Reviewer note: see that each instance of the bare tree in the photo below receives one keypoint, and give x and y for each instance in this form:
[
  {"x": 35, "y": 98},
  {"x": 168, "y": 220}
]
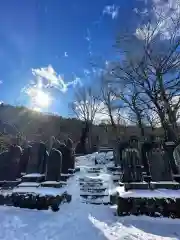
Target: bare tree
[
  {"x": 155, "y": 70},
  {"x": 86, "y": 105}
]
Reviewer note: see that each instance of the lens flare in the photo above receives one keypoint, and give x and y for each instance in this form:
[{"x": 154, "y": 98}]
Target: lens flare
[{"x": 42, "y": 99}]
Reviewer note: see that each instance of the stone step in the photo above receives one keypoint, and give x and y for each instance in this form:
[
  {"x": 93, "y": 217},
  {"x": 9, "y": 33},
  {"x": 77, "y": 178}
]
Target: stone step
[
  {"x": 53, "y": 184},
  {"x": 152, "y": 185},
  {"x": 93, "y": 195},
  {"x": 9, "y": 184},
  {"x": 93, "y": 189},
  {"x": 33, "y": 177}
]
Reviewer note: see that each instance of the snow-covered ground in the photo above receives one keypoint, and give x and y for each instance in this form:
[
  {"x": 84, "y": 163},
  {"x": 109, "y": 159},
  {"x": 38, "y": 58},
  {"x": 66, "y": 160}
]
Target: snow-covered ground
[{"x": 79, "y": 221}]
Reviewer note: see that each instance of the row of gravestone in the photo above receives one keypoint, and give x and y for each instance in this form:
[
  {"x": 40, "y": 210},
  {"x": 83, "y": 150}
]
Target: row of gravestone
[
  {"x": 153, "y": 159},
  {"x": 35, "y": 158}
]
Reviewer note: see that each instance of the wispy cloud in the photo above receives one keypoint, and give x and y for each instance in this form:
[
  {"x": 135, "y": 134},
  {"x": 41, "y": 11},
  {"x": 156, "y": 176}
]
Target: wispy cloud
[
  {"x": 111, "y": 10},
  {"x": 143, "y": 12},
  {"x": 48, "y": 78},
  {"x": 45, "y": 79},
  {"x": 164, "y": 16},
  {"x": 66, "y": 54}
]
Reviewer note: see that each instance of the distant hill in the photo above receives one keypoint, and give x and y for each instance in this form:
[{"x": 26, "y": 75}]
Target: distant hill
[{"x": 35, "y": 125}]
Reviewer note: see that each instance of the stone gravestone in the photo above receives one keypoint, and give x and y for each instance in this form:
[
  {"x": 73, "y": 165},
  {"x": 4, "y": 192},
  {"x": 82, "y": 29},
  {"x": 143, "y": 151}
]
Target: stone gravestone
[
  {"x": 38, "y": 159},
  {"x": 69, "y": 143},
  {"x": 122, "y": 146},
  {"x": 169, "y": 147},
  {"x": 9, "y": 163},
  {"x": 15, "y": 156},
  {"x": 81, "y": 147},
  {"x": 71, "y": 156},
  {"x": 176, "y": 156},
  {"x": 24, "y": 160},
  {"x": 65, "y": 157},
  {"x": 146, "y": 149},
  {"x": 131, "y": 162},
  {"x": 160, "y": 168},
  {"x": 42, "y": 159},
  {"x": 54, "y": 164}
]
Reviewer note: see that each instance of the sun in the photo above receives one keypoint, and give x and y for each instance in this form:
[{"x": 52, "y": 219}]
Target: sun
[
  {"x": 36, "y": 109},
  {"x": 42, "y": 99}
]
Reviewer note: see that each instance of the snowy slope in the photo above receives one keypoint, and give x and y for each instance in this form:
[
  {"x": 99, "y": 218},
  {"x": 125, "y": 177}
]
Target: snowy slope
[{"x": 78, "y": 221}]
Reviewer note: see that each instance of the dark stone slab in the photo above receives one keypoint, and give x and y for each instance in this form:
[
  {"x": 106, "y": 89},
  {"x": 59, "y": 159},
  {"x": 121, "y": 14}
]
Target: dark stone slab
[
  {"x": 34, "y": 177},
  {"x": 54, "y": 166},
  {"x": 166, "y": 185},
  {"x": 53, "y": 184},
  {"x": 136, "y": 186}
]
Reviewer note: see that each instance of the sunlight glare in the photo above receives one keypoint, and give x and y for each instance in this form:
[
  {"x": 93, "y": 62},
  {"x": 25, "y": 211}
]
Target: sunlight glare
[
  {"x": 42, "y": 99},
  {"x": 36, "y": 109}
]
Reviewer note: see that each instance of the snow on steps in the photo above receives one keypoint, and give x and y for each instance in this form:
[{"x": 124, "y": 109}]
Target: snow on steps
[{"x": 94, "y": 187}]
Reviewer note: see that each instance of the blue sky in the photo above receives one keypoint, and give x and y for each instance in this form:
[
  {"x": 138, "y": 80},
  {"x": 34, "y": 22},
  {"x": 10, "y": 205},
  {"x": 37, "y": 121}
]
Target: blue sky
[{"x": 63, "y": 34}]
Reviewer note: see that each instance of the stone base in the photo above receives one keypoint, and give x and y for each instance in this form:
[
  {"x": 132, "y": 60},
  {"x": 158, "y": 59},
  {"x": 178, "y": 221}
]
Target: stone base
[
  {"x": 176, "y": 178},
  {"x": 77, "y": 169},
  {"x": 152, "y": 185},
  {"x": 136, "y": 185},
  {"x": 28, "y": 184},
  {"x": 65, "y": 176},
  {"x": 154, "y": 207},
  {"x": 166, "y": 185},
  {"x": 114, "y": 169},
  {"x": 9, "y": 184},
  {"x": 71, "y": 170},
  {"x": 53, "y": 184},
  {"x": 34, "y": 177}
]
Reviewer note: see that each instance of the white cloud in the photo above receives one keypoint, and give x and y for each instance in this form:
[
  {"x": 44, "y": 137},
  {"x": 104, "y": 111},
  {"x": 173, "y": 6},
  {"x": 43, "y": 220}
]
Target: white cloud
[
  {"x": 44, "y": 79},
  {"x": 66, "y": 54},
  {"x": 164, "y": 12},
  {"x": 111, "y": 10},
  {"x": 47, "y": 77},
  {"x": 144, "y": 12},
  {"x": 87, "y": 72}
]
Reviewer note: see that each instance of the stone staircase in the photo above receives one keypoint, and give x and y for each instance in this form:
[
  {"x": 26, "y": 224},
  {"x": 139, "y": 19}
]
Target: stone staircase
[{"x": 94, "y": 188}]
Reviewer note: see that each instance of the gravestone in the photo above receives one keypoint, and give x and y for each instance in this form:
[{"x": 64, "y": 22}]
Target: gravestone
[
  {"x": 81, "y": 147},
  {"x": 65, "y": 157},
  {"x": 69, "y": 143},
  {"x": 146, "y": 149},
  {"x": 160, "y": 168},
  {"x": 176, "y": 157},
  {"x": 9, "y": 163},
  {"x": 71, "y": 156},
  {"x": 122, "y": 146},
  {"x": 38, "y": 159},
  {"x": 169, "y": 147},
  {"x": 54, "y": 165},
  {"x": 25, "y": 158},
  {"x": 15, "y": 156},
  {"x": 51, "y": 142},
  {"x": 131, "y": 162}
]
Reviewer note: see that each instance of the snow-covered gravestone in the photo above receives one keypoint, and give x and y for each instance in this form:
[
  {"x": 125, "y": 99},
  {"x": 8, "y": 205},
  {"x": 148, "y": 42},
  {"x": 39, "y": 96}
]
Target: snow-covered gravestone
[{"x": 53, "y": 172}]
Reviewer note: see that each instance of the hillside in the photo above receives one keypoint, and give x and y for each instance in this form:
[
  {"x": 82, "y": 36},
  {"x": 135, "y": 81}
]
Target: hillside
[{"x": 35, "y": 125}]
